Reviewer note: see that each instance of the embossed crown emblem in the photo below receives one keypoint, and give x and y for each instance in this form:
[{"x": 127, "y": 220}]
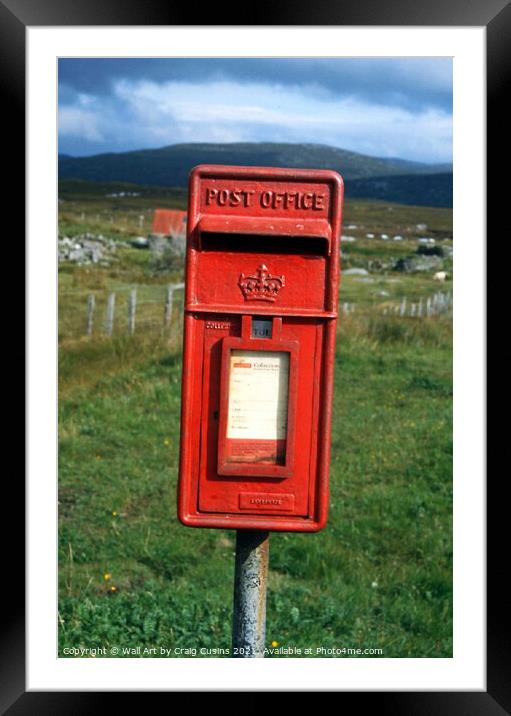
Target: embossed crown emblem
[{"x": 262, "y": 286}]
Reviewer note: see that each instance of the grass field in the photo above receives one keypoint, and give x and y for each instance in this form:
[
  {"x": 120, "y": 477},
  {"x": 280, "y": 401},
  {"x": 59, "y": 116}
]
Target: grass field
[{"x": 378, "y": 577}]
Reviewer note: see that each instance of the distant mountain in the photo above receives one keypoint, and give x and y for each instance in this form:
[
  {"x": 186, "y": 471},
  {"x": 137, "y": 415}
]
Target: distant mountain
[
  {"x": 414, "y": 189},
  {"x": 410, "y": 167},
  {"x": 170, "y": 166}
]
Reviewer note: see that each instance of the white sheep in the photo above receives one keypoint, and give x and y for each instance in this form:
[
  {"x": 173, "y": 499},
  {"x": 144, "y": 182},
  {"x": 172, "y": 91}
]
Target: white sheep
[{"x": 440, "y": 276}]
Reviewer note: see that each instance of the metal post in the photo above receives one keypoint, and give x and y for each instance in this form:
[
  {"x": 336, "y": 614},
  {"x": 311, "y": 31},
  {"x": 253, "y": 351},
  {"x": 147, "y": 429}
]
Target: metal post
[{"x": 250, "y": 580}]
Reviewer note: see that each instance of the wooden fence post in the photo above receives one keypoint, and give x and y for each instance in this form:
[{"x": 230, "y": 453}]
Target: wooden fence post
[
  {"x": 110, "y": 309},
  {"x": 168, "y": 305},
  {"x": 132, "y": 307},
  {"x": 91, "y": 302},
  {"x": 169, "y": 301}
]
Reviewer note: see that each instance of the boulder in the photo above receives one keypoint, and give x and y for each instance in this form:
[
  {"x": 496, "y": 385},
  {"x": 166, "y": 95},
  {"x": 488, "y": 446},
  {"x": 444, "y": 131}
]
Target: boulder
[
  {"x": 430, "y": 250},
  {"x": 158, "y": 243},
  {"x": 76, "y": 254},
  {"x": 85, "y": 249},
  {"x": 413, "y": 264},
  {"x": 355, "y": 272},
  {"x": 93, "y": 250},
  {"x": 139, "y": 242},
  {"x": 167, "y": 246}
]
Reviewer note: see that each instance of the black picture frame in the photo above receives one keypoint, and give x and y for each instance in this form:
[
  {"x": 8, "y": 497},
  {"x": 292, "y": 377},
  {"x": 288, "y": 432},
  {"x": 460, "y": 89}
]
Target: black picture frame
[{"x": 495, "y": 15}]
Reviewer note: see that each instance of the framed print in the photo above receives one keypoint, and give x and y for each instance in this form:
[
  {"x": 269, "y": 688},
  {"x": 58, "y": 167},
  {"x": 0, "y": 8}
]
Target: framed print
[{"x": 472, "y": 677}]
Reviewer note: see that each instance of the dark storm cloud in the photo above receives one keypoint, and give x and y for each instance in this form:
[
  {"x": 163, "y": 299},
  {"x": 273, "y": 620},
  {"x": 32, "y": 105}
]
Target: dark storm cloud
[
  {"x": 414, "y": 84},
  {"x": 377, "y": 106}
]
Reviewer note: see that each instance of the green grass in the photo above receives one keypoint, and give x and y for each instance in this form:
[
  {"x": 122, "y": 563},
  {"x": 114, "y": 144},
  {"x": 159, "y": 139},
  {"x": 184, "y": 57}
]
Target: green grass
[
  {"x": 86, "y": 207},
  {"x": 378, "y": 576},
  {"x": 381, "y": 217}
]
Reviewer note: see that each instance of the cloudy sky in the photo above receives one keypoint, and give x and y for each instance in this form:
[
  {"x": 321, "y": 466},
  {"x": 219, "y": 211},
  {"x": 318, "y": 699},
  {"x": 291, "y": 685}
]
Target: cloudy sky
[{"x": 381, "y": 107}]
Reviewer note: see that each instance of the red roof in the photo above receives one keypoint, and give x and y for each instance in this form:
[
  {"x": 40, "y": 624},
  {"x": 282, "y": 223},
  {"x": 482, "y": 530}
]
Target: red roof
[{"x": 170, "y": 222}]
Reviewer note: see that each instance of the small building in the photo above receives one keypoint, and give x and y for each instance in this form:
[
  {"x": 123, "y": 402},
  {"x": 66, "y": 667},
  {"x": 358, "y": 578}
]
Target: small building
[
  {"x": 169, "y": 222},
  {"x": 168, "y": 233}
]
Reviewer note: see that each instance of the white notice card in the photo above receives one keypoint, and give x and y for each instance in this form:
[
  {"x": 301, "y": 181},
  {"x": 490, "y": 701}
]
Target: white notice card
[{"x": 258, "y": 395}]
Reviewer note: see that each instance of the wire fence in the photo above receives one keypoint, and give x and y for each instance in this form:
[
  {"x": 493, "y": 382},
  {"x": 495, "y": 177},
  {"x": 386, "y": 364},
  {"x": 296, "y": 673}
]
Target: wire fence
[
  {"x": 148, "y": 308},
  {"x": 438, "y": 303},
  {"x": 120, "y": 311}
]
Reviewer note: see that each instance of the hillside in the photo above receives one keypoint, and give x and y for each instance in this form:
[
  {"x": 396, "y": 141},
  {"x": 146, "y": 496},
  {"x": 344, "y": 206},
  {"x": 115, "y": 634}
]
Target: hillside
[
  {"x": 413, "y": 182},
  {"x": 411, "y": 189}
]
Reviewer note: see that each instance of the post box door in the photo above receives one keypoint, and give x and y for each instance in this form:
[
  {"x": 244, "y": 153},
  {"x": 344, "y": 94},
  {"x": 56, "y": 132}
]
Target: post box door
[{"x": 248, "y": 477}]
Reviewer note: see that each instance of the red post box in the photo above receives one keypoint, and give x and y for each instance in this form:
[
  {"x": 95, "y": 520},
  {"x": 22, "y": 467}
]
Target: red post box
[{"x": 261, "y": 294}]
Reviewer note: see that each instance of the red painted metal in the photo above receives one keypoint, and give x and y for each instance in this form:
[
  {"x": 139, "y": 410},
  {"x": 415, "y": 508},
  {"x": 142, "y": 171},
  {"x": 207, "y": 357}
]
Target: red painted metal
[
  {"x": 227, "y": 465},
  {"x": 262, "y": 245},
  {"x": 169, "y": 222}
]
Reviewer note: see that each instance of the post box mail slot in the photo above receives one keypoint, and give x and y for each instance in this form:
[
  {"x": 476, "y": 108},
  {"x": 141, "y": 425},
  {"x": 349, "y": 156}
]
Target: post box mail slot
[{"x": 261, "y": 293}]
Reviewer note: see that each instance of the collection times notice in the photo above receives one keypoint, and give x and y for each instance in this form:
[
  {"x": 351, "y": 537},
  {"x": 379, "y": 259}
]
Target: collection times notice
[{"x": 258, "y": 400}]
